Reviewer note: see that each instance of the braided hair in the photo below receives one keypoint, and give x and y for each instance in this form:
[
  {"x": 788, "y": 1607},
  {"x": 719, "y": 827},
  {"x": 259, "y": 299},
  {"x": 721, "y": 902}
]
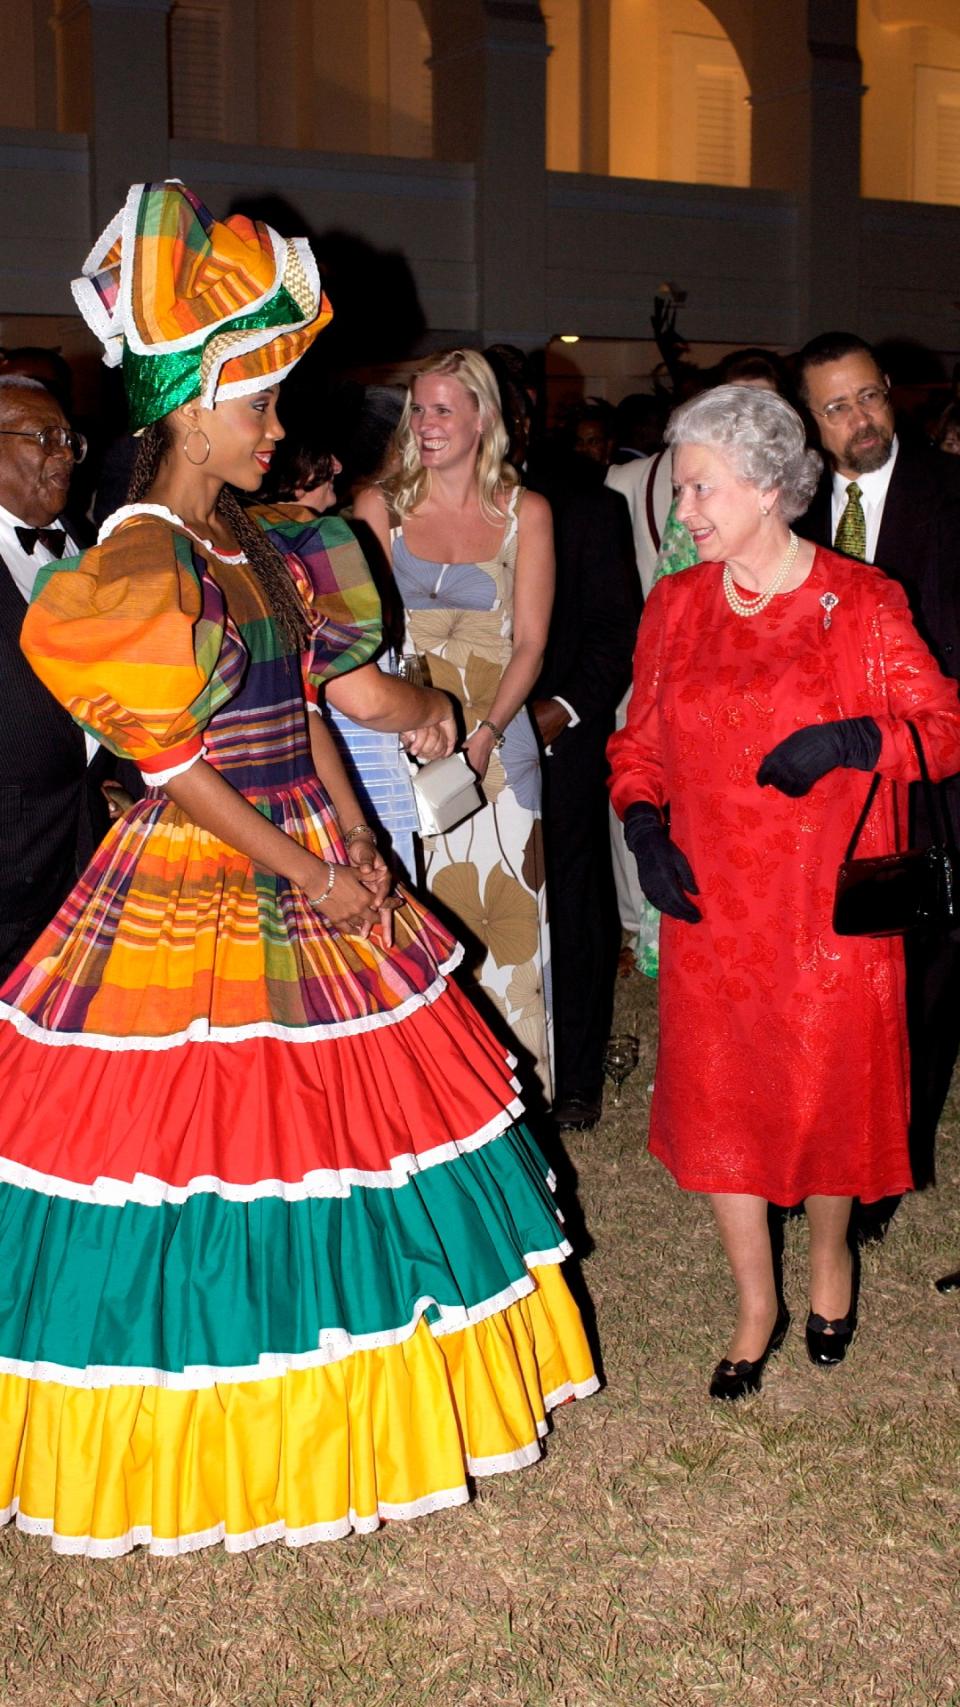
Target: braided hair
[{"x": 276, "y": 583}]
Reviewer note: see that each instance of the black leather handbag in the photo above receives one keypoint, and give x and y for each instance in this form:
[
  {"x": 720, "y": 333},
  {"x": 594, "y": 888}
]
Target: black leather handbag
[{"x": 915, "y": 890}]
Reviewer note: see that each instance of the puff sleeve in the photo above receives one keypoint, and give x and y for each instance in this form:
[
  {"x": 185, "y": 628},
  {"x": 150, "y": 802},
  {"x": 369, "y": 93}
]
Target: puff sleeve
[
  {"x": 337, "y": 588},
  {"x": 129, "y": 639}
]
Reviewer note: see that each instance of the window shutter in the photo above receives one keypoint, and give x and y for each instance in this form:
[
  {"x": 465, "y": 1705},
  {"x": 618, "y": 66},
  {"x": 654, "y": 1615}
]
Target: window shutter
[
  {"x": 709, "y": 116},
  {"x": 410, "y": 81},
  {"x": 196, "y": 70},
  {"x": 947, "y": 171},
  {"x": 716, "y": 125},
  {"x": 936, "y": 135}
]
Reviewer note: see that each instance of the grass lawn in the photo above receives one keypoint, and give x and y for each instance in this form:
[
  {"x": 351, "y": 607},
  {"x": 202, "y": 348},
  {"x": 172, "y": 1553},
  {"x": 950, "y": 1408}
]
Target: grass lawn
[{"x": 799, "y": 1548}]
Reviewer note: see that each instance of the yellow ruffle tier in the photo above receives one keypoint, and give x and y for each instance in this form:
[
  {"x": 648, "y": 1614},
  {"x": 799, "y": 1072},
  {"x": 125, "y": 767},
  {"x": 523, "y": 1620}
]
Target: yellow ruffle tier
[{"x": 384, "y": 1434}]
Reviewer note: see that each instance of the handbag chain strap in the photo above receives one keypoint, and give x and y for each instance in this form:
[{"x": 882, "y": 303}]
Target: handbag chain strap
[{"x": 939, "y": 820}]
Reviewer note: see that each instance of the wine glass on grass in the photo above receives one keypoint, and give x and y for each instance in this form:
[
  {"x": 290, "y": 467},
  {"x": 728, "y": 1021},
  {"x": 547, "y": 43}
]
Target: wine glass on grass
[{"x": 620, "y": 1058}]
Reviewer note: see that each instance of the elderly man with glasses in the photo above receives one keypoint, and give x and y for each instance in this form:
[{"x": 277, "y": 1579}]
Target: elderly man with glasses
[
  {"x": 896, "y": 503},
  {"x": 52, "y": 811}
]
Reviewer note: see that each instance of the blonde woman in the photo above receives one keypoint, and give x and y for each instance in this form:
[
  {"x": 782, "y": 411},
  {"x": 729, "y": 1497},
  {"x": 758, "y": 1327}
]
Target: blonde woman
[{"x": 472, "y": 555}]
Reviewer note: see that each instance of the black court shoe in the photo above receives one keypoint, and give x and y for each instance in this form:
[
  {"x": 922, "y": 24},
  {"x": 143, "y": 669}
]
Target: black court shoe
[
  {"x": 736, "y": 1380},
  {"x": 827, "y": 1341}
]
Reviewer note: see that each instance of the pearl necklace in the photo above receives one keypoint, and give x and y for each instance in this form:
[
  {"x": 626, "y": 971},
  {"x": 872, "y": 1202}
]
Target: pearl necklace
[{"x": 751, "y": 607}]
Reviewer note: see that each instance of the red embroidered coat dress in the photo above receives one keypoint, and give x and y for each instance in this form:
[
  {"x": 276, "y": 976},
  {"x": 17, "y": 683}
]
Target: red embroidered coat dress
[{"x": 782, "y": 1066}]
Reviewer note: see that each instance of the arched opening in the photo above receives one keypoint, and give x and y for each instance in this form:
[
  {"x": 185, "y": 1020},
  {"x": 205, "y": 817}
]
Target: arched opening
[
  {"x": 645, "y": 89},
  {"x": 910, "y": 51}
]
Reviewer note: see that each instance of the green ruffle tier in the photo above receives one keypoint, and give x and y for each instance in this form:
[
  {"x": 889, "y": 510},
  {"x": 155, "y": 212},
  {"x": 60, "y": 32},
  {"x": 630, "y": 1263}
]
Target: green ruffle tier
[{"x": 211, "y": 1284}]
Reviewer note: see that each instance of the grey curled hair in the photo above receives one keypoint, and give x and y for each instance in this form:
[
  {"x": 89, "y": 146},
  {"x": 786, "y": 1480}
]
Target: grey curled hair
[{"x": 761, "y": 436}]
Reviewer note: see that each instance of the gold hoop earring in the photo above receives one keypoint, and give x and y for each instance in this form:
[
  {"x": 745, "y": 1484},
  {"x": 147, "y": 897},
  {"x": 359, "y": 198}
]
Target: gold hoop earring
[{"x": 196, "y": 462}]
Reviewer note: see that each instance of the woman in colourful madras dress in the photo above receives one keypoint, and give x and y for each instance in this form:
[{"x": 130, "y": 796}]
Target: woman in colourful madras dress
[
  {"x": 472, "y": 559},
  {"x": 276, "y": 1260}
]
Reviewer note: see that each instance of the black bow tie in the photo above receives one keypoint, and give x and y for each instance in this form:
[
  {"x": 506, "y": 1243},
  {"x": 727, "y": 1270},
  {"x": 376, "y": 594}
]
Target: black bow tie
[{"x": 54, "y": 539}]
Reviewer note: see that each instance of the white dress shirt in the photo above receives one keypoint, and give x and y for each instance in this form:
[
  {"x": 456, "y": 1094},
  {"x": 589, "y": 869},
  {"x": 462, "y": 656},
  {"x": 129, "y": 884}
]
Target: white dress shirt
[
  {"x": 24, "y": 568},
  {"x": 873, "y": 490}
]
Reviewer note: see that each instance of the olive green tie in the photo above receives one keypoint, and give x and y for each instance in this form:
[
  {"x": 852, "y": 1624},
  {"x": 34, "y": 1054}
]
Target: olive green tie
[{"x": 852, "y": 528}]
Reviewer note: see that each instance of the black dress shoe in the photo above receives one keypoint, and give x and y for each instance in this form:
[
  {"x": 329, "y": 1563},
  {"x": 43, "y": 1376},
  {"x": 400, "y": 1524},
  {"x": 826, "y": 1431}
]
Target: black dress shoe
[
  {"x": 827, "y": 1341},
  {"x": 948, "y": 1282},
  {"x": 736, "y": 1380},
  {"x": 577, "y": 1113}
]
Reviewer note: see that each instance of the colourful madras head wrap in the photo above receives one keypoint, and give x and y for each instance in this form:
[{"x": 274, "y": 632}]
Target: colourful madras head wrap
[{"x": 194, "y": 306}]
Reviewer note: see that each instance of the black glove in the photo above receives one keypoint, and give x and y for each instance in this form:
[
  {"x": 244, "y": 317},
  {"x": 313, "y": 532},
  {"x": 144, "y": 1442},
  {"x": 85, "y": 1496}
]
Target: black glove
[
  {"x": 797, "y": 762},
  {"x": 662, "y": 869}
]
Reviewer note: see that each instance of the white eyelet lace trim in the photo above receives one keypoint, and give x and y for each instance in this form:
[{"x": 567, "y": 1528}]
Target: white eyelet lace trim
[
  {"x": 201, "y": 1031},
  {"x": 113, "y": 1547},
  {"x": 156, "y": 779},
  {"x": 127, "y": 511},
  {"x": 335, "y": 1345},
  {"x": 150, "y": 1192}
]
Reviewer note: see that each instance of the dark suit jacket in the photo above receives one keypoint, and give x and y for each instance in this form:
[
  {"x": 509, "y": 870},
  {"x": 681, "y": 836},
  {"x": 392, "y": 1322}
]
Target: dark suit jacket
[
  {"x": 919, "y": 546},
  {"x": 593, "y": 628},
  {"x": 52, "y": 813}
]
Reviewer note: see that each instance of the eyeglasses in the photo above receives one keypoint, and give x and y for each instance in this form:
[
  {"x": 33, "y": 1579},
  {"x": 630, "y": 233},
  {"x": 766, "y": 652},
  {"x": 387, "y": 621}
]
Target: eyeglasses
[
  {"x": 872, "y": 397},
  {"x": 51, "y": 439}
]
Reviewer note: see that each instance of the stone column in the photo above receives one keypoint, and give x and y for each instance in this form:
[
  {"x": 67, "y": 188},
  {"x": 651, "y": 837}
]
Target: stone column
[
  {"x": 490, "y": 95},
  {"x": 129, "y": 124},
  {"x": 806, "y": 98}
]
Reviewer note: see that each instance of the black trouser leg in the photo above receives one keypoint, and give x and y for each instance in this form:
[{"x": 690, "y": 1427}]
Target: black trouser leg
[
  {"x": 933, "y": 1023},
  {"x": 933, "y": 1014},
  {"x": 584, "y": 927}
]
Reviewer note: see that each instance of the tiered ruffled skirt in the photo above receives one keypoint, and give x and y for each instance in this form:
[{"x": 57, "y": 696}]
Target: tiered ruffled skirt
[{"x": 276, "y": 1258}]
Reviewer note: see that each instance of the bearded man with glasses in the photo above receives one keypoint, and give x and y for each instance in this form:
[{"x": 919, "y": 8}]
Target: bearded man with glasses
[
  {"x": 896, "y": 503},
  {"x": 52, "y": 810}
]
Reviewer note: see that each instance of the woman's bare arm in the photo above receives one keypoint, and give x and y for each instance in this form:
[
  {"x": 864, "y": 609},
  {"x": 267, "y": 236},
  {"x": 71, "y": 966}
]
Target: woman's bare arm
[
  {"x": 330, "y": 769},
  {"x": 437, "y": 736},
  {"x": 533, "y": 603},
  {"x": 378, "y": 701},
  {"x": 370, "y": 507}
]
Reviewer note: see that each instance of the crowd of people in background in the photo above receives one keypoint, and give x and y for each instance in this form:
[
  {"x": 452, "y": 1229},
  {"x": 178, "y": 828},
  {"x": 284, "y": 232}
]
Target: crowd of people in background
[
  {"x": 513, "y": 557},
  {"x": 606, "y": 477}
]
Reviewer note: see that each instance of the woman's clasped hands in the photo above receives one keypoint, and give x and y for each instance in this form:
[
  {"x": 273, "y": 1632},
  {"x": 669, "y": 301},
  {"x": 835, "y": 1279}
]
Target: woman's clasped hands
[{"x": 356, "y": 896}]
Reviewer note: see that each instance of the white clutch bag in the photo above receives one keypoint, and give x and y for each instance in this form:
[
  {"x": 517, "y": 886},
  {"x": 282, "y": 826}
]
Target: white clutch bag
[{"x": 446, "y": 792}]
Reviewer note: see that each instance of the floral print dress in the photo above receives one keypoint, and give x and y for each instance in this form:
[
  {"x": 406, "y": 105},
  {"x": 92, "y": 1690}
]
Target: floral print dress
[{"x": 488, "y": 872}]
